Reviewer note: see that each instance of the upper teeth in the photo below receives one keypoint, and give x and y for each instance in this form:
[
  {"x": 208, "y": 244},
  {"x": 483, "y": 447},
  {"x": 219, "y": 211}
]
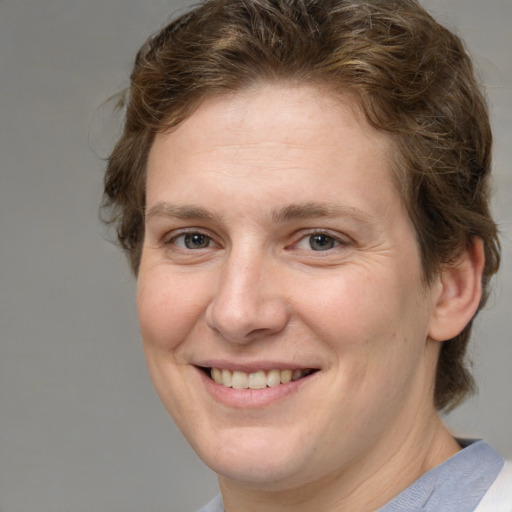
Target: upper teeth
[{"x": 256, "y": 380}]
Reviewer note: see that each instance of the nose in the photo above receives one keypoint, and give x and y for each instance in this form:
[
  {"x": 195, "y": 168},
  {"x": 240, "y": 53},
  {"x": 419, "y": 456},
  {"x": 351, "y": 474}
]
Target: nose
[{"x": 249, "y": 303}]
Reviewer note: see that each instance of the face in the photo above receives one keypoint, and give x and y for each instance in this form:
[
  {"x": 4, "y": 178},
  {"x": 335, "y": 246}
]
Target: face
[{"x": 280, "y": 294}]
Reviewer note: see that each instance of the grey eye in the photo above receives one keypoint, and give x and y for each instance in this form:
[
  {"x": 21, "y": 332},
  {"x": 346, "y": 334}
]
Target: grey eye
[
  {"x": 321, "y": 242},
  {"x": 194, "y": 241}
]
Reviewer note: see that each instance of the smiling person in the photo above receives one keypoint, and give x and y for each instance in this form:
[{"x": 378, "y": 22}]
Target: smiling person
[{"x": 302, "y": 190}]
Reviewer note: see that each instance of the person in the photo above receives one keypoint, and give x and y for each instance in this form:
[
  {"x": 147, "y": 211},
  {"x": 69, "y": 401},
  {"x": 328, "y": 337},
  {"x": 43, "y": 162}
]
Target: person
[{"x": 302, "y": 190}]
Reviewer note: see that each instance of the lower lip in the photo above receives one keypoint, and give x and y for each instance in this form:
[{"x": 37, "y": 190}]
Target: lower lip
[{"x": 252, "y": 398}]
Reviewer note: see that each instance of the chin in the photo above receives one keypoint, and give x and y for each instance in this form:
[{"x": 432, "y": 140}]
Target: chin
[{"x": 257, "y": 457}]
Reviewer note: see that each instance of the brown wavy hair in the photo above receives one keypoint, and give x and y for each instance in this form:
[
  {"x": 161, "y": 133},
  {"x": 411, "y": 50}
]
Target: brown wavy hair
[{"x": 411, "y": 77}]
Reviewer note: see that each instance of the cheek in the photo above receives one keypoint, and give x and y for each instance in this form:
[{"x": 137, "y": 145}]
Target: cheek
[
  {"x": 168, "y": 309},
  {"x": 352, "y": 305},
  {"x": 372, "y": 324}
]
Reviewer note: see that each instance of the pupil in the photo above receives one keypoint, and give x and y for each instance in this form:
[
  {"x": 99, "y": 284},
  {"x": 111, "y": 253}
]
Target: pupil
[
  {"x": 196, "y": 241},
  {"x": 321, "y": 242}
]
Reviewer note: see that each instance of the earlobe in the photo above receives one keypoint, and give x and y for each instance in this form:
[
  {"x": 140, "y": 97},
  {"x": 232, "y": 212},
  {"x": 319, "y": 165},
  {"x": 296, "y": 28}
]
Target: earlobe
[{"x": 459, "y": 293}]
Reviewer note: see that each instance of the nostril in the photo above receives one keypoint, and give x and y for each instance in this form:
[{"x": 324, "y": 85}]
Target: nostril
[{"x": 243, "y": 308}]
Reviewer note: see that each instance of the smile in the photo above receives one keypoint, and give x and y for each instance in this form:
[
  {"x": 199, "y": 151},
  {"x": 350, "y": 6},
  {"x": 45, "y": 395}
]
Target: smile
[{"x": 256, "y": 380}]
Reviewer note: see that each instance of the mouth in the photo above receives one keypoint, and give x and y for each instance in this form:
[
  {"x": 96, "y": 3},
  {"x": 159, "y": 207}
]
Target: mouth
[{"x": 260, "y": 379}]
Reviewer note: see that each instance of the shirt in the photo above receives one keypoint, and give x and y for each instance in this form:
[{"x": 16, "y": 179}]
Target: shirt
[{"x": 456, "y": 485}]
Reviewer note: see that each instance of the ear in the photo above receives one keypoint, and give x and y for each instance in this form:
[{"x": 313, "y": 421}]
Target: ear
[{"x": 459, "y": 293}]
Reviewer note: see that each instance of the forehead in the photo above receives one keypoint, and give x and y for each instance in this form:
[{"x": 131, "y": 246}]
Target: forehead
[
  {"x": 273, "y": 145},
  {"x": 273, "y": 121},
  {"x": 244, "y": 160}
]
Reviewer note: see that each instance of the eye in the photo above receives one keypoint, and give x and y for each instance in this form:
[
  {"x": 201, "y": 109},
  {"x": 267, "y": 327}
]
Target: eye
[
  {"x": 192, "y": 241},
  {"x": 318, "y": 242}
]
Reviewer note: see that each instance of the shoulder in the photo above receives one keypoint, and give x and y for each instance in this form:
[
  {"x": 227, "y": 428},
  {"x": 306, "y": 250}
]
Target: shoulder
[
  {"x": 499, "y": 496},
  {"x": 214, "y": 505}
]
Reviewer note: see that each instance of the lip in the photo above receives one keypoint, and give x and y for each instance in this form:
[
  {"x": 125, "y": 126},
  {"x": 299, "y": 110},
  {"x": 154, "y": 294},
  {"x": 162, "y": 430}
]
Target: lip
[
  {"x": 252, "y": 366},
  {"x": 252, "y": 398}
]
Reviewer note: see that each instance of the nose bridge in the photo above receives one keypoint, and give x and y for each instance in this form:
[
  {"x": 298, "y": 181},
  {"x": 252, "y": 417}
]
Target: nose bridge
[{"x": 246, "y": 305}]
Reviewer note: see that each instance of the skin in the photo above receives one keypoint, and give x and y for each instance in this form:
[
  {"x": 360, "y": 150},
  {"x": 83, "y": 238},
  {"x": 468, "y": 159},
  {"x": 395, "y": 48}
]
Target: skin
[{"x": 253, "y": 175}]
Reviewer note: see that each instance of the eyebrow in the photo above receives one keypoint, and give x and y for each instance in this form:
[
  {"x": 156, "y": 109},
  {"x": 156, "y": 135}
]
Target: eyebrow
[
  {"x": 183, "y": 212},
  {"x": 295, "y": 211},
  {"x": 315, "y": 210}
]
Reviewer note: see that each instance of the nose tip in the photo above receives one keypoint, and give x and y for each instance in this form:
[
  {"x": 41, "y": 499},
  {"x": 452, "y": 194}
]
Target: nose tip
[
  {"x": 245, "y": 308},
  {"x": 243, "y": 326}
]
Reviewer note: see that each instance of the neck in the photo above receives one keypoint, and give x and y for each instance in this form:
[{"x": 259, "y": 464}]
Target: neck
[{"x": 364, "y": 485}]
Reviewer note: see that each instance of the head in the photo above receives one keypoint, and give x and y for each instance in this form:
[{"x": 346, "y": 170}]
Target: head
[{"x": 383, "y": 54}]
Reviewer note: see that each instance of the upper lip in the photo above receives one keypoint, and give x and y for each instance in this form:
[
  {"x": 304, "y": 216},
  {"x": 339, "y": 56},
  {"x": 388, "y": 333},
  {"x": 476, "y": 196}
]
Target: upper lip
[{"x": 254, "y": 366}]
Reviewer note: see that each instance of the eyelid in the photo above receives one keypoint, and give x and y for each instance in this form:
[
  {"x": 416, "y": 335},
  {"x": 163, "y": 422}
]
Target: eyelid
[
  {"x": 170, "y": 237},
  {"x": 340, "y": 239}
]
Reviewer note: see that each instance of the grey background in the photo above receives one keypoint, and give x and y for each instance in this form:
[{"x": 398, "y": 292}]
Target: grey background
[{"x": 81, "y": 428}]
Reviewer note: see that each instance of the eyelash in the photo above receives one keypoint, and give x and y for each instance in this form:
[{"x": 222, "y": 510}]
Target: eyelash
[
  {"x": 329, "y": 239},
  {"x": 337, "y": 240},
  {"x": 189, "y": 232}
]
